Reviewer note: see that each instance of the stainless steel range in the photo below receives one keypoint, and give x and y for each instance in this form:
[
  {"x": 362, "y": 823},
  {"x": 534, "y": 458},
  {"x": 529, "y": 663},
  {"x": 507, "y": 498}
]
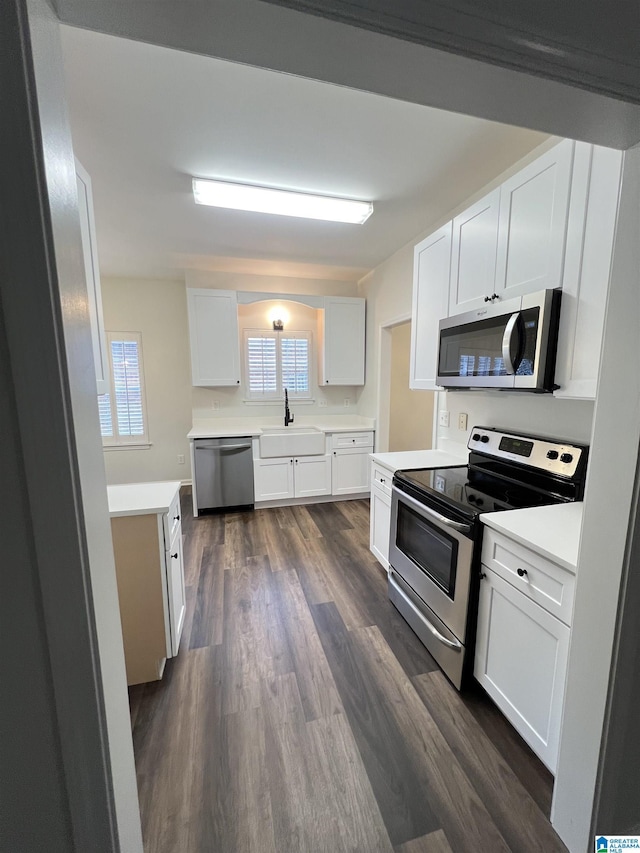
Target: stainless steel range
[{"x": 434, "y": 549}]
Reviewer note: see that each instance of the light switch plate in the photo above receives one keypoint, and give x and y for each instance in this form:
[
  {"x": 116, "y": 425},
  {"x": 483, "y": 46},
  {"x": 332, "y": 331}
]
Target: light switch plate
[{"x": 443, "y": 418}]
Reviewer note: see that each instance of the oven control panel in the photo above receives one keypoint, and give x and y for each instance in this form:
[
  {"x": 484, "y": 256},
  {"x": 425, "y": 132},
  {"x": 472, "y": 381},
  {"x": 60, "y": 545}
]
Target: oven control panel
[{"x": 546, "y": 454}]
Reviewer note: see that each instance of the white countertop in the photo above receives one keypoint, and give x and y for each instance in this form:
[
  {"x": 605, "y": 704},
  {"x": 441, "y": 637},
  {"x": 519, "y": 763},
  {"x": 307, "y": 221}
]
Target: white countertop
[
  {"x": 231, "y": 427},
  {"x": 141, "y": 498},
  {"x": 407, "y": 459},
  {"x": 552, "y": 531}
]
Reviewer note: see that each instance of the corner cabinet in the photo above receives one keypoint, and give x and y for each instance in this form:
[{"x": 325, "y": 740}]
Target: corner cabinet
[
  {"x": 213, "y": 336},
  {"x": 92, "y": 275},
  {"x": 431, "y": 267},
  {"x": 147, "y": 547},
  {"x": 342, "y": 352}
]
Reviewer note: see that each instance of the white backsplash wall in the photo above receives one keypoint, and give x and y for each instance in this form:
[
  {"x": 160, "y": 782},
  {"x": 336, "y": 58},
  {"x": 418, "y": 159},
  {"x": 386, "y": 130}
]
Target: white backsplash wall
[{"x": 535, "y": 414}]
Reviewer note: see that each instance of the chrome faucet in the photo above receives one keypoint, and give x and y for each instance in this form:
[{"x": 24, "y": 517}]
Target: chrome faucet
[{"x": 288, "y": 417}]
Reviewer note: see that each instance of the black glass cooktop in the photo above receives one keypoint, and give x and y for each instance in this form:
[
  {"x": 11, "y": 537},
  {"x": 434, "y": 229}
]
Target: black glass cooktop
[{"x": 468, "y": 492}]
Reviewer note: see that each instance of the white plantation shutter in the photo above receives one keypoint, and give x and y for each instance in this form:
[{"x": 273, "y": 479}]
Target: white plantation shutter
[
  {"x": 275, "y": 361},
  {"x": 262, "y": 366},
  {"x": 294, "y": 353},
  {"x": 122, "y": 411},
  {"x": 104, "y": 413}
]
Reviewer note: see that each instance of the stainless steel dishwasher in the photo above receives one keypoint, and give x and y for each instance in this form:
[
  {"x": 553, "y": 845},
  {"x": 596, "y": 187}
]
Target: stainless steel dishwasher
[{"x": 223, "y": 475}]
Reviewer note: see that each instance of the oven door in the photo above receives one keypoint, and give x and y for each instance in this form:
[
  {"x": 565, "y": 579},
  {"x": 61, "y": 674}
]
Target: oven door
[{"x": 434, "y": 556}]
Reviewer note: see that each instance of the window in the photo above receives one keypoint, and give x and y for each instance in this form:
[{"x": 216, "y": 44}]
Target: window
[
  {"x": 275, "y": 361},
  {"x": 123, "y": 419}
]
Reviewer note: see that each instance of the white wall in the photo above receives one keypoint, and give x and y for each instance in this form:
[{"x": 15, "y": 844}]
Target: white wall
[
  {"x": 158, "y": 310},
  {"x": 410, "y": 412},
  {"x": 534, "y": 414}
]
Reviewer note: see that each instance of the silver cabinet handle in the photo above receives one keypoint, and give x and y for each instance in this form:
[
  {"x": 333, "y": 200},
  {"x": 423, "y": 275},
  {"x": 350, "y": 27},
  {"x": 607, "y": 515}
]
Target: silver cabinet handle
[
  {"x": 440, "y": 637},
  {"x": 507, "y": 343},
  {"x": 403, "y": 497}
]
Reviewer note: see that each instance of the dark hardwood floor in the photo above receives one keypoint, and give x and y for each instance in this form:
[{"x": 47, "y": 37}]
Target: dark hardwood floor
[{"x": 302, "y": 714}]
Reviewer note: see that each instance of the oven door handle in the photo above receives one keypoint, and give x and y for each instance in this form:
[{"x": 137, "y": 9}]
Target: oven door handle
[
  {"x": 431, "y": 513},
  {"x": 440, "y": 637}
]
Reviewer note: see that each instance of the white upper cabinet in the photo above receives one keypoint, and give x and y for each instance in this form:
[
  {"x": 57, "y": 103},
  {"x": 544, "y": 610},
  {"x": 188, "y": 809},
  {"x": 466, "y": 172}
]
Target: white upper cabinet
[
  {"x": 92, "y": 273},
  {"x": 590, "y": 238},
  {"x": 342, "y": 353},
  {"x": 534, "y": 209},
  {"x": 213, "y": 335},
  {"x": 473, "y": 257},
  {"x": 431, "y": 267},
  {"x": 551, "y": 225}
]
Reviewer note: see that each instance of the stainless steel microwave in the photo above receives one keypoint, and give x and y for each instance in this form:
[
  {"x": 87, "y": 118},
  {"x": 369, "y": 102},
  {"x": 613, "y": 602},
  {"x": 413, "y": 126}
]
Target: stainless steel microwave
[{"x": 509, "y": 345}]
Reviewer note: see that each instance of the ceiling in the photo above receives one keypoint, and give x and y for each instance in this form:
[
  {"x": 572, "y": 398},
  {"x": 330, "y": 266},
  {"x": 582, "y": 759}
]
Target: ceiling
[
  {"x": 145, "y": 119},
  {"x": 590, "y": 45}
]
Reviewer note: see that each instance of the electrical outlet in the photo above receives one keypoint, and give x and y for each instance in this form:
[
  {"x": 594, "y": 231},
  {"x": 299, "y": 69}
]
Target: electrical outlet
[
  {"x": 347, "y": 402},
  {"x": 180, "y": 458},
  {"x": 322, "y": 404},
  {"x": 462, "y": 420},
  {"x": 443, "y": 418},
  {"x": 215, "y": 405}
]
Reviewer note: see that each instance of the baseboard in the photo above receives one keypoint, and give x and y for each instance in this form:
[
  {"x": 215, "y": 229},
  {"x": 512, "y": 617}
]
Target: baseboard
[{"x": 318, "y": 499}]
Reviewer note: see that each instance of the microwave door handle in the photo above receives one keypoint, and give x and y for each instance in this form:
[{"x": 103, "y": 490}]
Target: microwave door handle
[{"x": 509, "y": 343}]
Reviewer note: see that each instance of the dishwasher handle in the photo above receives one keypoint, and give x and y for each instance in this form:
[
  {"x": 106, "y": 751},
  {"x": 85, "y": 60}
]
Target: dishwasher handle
[{"x": 221, "y": 447}]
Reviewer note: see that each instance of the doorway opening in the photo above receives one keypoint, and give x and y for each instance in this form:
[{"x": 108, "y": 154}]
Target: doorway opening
[{"x": 405, "y": 417}]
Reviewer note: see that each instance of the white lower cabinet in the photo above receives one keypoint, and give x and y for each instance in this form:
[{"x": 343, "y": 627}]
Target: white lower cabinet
[
  {"x": 151, "y": 591},
  {"x": 312, "y": 476},
  {"x": 350, "y": 464},
  {"x": 174, "y": 561},
  {"x": 290, "y": 477},
  {"x": 380, "y": 513},
  {"x": 521, "y": 658},
  {"x": 350, "y": 471}
]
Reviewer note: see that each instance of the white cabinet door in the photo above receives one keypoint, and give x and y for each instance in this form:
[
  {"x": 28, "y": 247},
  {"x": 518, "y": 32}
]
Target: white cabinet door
[
  {"x": 473, "y": 257},
  {"x": 521, "y": 661},
  {"x": 213, "y": 336},
  {"x": 342, "y": 347},
  {"x": 92, "y": 274},
  {"x": 380, "y": 515},
  {"x": 350, "y": 471},
  {"x": 312, "y": 476},
  {"x": 273, "y": 479},
  {"x": 431, "y": 269},
  {"x": 534, "y": 209},
  {"x": 176, "y": 589},
  {"x": 592, "y": 225}
]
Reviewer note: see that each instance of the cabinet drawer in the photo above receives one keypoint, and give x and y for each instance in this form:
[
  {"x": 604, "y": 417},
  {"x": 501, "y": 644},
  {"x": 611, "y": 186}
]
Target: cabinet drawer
[
  {"x": 351, "y": 439},
  {"x": 381, "y": 479},
  {"x": 171, "y": 520},
  {"x": 544, "y": 582}
]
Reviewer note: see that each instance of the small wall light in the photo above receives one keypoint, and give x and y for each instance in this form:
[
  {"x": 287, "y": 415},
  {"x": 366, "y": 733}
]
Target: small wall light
[{"x": 278, "y": 325}]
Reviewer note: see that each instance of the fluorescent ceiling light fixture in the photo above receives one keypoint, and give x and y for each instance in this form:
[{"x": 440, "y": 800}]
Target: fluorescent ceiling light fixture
[{"x": 280, "y": 202}]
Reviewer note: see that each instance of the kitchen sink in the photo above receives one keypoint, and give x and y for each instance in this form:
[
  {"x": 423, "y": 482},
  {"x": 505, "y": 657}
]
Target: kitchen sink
[{"x": 291, "y": 441}]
